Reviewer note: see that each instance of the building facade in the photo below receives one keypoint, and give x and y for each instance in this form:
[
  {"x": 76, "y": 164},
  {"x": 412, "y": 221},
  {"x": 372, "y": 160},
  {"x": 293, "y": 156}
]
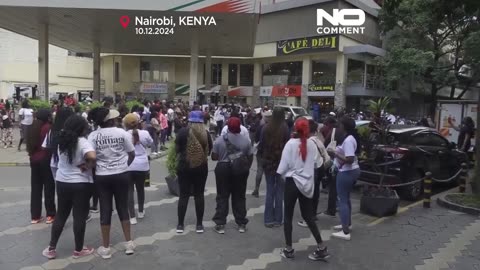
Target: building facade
[
  {"x": 68, "y": 73},
  {"x": 292, "y": 64}
]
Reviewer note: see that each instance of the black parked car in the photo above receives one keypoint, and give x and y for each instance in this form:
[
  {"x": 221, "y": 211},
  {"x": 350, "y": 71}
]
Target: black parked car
[{"x": 412, "y": 151}]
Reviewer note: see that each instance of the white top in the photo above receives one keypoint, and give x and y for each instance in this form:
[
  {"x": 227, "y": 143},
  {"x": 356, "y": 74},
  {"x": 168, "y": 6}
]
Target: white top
[
  {"x": 292, "y": 165},
  {"x": 347, "y": 149},
  {"x": 85, "y": 115},
  {"x": 170, "y": 114},
  {"x": 112, "y": 145},
  {"x": 53, "y": 164},
  {"x": 71, "y": 173},
  {"x": 243, "y": 131},
  {"x": 218, "y": 116},
  {"x": 140, "y": 163},
  {"x": 27, "y": 114}
]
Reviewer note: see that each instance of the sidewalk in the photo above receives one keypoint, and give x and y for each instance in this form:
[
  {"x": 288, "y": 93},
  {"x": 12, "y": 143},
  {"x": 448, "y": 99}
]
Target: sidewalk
[{"x": 416, "y": 239}]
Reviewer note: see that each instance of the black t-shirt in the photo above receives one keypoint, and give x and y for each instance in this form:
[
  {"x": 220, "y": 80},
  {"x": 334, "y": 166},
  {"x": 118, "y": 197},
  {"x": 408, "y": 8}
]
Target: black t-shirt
[{"x": 6, "y": 123}]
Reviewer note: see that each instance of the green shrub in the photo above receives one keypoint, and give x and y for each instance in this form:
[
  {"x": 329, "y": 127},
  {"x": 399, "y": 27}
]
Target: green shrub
[
  {"x": 172, "y": 160},
  {"x": 132, "y": 103},
  {"x": 37, "y": 104},
  {"x": 95, "y": 104}
]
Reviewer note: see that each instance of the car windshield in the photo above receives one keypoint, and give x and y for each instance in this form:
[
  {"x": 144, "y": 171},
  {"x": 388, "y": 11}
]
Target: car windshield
[{"x": 299, "y": 111}]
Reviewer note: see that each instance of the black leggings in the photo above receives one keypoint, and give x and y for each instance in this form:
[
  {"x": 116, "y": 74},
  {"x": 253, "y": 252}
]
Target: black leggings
[
  {"x": 74, "y": 196},
  {"x": 42, "y": 182},
  {"x": 192, "y": 180},
  {"x": 306, "y": 208},
  {"x": 137, "y": 181},
  {"x": 319, "y": 173},
  {"x": 108, "y": 187}
]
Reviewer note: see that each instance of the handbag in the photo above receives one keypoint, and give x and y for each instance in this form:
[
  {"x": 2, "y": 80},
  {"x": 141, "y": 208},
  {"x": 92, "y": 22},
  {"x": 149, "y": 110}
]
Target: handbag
[{"x": 333, "y": 144}]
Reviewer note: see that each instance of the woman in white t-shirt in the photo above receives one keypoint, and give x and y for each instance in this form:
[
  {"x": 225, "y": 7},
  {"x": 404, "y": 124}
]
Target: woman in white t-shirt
[
  {"x": 26, "y": 120},
  {"x": 115, "y": 152},
  {"x": 139, "y": 167},
  {"x": 76, "y": 158},
  {"x": 52, "y": 139},
  {"x": 346, "y": 163},
  {"x": 297, "y": 166}
]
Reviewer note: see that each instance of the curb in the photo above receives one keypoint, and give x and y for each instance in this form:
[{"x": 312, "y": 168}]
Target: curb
[
  {"x": 457, "y": 207},
  {"x": 13, "y": 164},
  {"x": 404, "y": 209}
]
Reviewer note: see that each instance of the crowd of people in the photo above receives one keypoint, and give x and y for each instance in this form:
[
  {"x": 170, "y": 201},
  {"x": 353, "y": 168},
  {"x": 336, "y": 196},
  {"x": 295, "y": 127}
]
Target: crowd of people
[{"x": 102, "y": 154}]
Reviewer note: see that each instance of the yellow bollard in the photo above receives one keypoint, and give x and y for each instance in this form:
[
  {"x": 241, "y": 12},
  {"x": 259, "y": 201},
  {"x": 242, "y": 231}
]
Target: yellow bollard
[{"x": 427, "y": 190}]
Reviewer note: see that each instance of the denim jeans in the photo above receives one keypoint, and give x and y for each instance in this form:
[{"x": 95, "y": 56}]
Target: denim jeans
[
  {"x": 274, "y": 200},
  {"x": 345, "y": 182},
  {"x": 259, "y": 175}
]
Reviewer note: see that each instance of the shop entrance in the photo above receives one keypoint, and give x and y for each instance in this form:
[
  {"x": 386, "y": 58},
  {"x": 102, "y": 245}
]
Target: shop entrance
[{"x": 325, "y": 104}]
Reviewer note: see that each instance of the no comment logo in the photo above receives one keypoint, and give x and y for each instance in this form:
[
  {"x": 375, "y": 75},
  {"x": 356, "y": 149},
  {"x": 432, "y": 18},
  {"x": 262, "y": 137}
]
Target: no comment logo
[{"x": 342, "y": 21}]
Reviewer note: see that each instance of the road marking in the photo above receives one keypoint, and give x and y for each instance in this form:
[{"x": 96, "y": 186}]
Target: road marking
[
  {"x": 265, "y": 259},
  {"x": 140, "y": 241},
  {"x": 42, "y": 226},
  {"x": 452, "y": 249},
  {"x": 153, "y": 187}
]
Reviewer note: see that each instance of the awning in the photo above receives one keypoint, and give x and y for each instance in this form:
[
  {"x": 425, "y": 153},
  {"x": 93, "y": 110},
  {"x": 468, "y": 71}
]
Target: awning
[
  {"x": 79, "y": 25},
  {"x": 368, "y": 49}
]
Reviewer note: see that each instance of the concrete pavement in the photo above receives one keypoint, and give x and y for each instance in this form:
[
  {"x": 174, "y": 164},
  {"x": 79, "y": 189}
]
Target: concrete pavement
[{"x": 416, "y": 239}]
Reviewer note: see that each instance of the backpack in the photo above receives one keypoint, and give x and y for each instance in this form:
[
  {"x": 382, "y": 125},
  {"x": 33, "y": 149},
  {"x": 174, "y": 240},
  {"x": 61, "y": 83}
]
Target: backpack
[{"x": 239, "y": 162}]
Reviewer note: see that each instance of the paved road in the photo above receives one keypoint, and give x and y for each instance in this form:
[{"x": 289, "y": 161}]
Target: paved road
[{"x": 416, "y": 239}]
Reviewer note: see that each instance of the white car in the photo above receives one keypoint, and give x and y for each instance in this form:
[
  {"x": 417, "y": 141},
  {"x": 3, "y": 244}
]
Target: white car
[{"x": 295, "y": 111}]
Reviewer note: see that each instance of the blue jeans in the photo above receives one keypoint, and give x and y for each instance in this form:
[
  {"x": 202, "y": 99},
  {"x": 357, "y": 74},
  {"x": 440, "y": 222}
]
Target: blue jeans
[
  {"x": 345, "y": 182},
  {"x": 274, "y": 199}
]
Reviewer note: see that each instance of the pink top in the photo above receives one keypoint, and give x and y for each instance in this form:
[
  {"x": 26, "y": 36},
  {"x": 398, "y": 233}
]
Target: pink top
[{"x": 163, "y": 121}]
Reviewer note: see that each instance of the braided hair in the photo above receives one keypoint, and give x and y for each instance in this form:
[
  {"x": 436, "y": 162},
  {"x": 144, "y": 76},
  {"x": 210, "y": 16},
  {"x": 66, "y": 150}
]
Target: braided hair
[
  {"x": 75, "y": 127},
  {"x": 52, "y": 143}
]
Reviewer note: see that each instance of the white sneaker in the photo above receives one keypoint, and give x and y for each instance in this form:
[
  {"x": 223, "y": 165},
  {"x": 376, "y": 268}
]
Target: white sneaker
[
  {"x": 302, "y": 223},
  {"x": 141, "y": 214},
  {"x": 341, "y": 235},
  {"x": 340, "y": 227},
  {"x": 104, "y": 252},
  {"x": 129, "y": 247},
  {"x": 133, "y": 221}
]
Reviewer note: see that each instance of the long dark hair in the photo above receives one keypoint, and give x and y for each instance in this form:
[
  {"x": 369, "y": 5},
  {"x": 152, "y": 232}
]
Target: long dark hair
[
  {"x": 33, "y": 132},
  {"x": 349, "y": 127},
  {"x": 97, "y": 116},
  {"x": 275, "y": 129},
  {"x": 74, "y": 128},
  {"x": 62, "y": 115}
]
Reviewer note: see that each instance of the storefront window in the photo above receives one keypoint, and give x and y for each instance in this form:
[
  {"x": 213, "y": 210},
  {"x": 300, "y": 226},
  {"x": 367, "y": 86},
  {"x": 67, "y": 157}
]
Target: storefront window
[
  {"x": 145, "y": 71},
  {"x": 356, "y": 72},
  {"x": 288, "y": 73},
  {"x": 217, "y": 74},
  {"x": 323, "y": 73},
  {"x": 232, "y": 74},
  {"x": 153, "y": 72},
  {"x": 246, "y": 75}
]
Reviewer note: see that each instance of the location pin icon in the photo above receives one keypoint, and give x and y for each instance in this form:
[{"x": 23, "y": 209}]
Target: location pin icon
[{"x": 124, "y": 21}]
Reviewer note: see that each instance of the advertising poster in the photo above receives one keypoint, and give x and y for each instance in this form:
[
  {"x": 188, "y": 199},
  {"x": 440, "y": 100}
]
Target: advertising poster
[{"x": 454, "y": 113}]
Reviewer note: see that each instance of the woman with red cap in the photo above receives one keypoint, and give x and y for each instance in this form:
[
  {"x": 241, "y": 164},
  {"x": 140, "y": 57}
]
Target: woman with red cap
[
  {"x": 234, "y": 154},
  {"x": 297, "y": 167}
]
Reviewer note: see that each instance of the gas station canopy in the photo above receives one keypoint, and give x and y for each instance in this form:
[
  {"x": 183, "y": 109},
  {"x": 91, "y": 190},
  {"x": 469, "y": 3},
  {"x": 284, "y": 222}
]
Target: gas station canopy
[{"x": 80, "y": 25}]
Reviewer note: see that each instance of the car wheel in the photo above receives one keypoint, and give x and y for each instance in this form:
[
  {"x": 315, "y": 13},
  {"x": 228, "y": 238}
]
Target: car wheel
[{"x": 412, "y": 192}]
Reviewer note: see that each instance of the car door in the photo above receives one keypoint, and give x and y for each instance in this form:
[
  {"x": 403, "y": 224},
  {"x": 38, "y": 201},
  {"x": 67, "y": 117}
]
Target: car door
[{"x": 436, "y": 153}]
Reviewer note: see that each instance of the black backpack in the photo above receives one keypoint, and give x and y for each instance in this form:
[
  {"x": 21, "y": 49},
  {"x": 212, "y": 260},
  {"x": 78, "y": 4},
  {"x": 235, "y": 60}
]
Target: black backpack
[{"x": 239, "y": 162}]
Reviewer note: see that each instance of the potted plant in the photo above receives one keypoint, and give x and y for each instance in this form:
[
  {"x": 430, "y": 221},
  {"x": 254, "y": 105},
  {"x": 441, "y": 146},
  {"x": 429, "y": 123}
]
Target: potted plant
[
  {"x": 171, "y": 179},
  {"x": 378, "y": 200}
]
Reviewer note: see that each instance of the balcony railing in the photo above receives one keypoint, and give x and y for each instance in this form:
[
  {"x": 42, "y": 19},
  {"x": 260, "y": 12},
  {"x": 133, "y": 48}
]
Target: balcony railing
[{"x": 370, "y": 81}]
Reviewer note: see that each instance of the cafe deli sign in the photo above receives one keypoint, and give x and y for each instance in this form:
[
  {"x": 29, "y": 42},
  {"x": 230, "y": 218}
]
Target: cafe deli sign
[{"x": 307, "y": 45}]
